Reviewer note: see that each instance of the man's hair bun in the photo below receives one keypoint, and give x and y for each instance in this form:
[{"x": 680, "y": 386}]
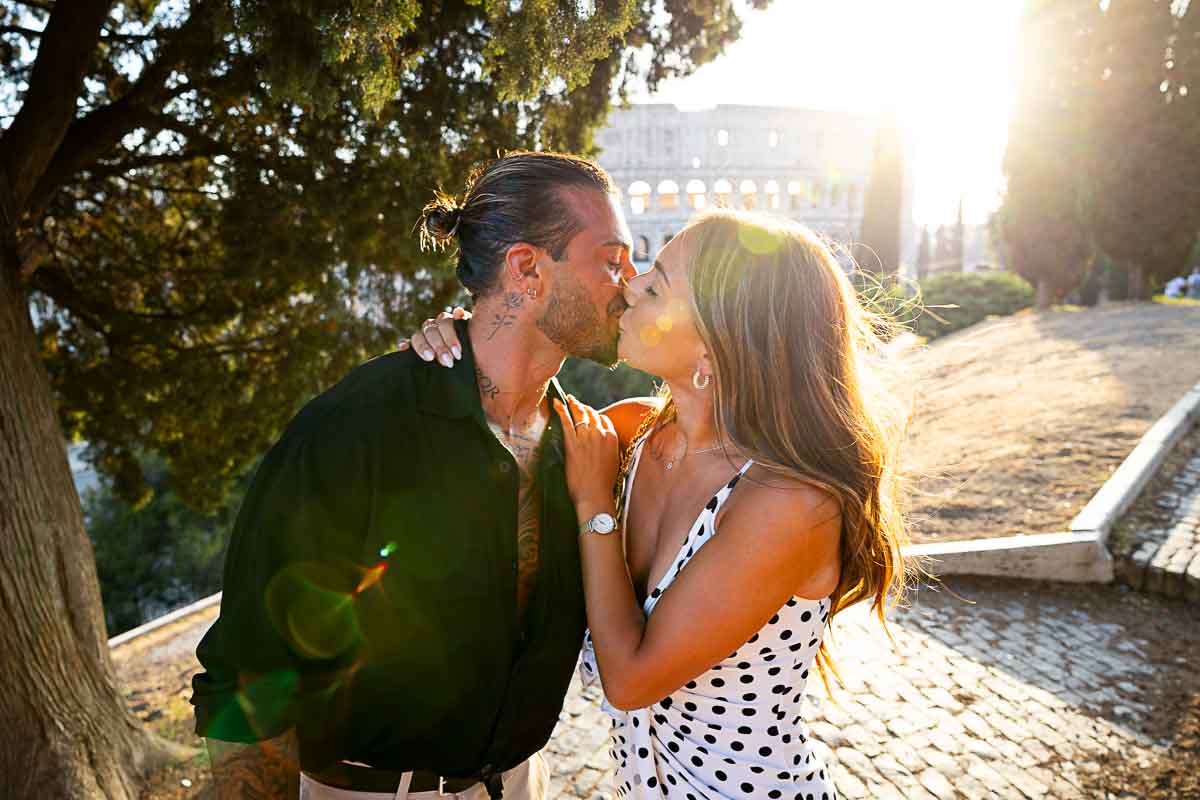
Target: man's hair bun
[{"x": 439, "y": 221}]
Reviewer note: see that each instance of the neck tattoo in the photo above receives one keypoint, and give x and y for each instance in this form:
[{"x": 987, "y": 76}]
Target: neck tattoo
[
  {"x": 506, "y": 316},
  {"x": 487, "y": 386}
]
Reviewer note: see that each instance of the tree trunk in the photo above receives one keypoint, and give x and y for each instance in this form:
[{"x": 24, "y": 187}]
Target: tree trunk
[
  {"x": 66, "y": 730},
  {"x": 1044, "y": 294},
  {"x": 1137, "y": 283}
]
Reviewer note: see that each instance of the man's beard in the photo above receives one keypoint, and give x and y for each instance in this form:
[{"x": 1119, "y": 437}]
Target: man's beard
[{"x": 572, "y": 322}]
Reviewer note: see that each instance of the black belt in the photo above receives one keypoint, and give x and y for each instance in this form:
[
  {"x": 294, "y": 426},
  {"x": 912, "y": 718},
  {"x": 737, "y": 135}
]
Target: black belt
[{"x": 359, "y": 778}]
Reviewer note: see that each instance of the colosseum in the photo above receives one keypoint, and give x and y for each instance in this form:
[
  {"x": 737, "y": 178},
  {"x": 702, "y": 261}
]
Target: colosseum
[{"x": 804, "y": 164}]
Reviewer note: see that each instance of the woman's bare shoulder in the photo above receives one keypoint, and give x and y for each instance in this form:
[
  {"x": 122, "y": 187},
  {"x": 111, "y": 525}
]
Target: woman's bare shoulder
[
  {"x": 787, "y": 497},
  {"x": 627, "y": 415}
]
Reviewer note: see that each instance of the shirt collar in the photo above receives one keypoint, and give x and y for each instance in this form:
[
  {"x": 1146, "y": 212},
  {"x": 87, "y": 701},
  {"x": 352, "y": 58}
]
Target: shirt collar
[{"x": 454, "y": 392}]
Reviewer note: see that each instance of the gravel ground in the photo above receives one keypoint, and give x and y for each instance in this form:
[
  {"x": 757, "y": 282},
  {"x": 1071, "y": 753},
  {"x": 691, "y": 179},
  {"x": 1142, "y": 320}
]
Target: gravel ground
[{"x": 1018, "y": 421}]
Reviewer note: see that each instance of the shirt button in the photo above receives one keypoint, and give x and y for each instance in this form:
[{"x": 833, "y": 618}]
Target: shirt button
[{"x": 505, "y": 467}]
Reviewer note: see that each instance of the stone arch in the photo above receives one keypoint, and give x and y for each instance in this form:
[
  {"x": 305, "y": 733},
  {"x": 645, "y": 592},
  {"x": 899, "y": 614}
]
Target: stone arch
[
  {"x": 668, "y": 195},
  {"x": 772, "y": 191},
  {"x": 639, "y": 197},
  {"x": 722, "y": 191},
  {"x": 748, "y": 189}
]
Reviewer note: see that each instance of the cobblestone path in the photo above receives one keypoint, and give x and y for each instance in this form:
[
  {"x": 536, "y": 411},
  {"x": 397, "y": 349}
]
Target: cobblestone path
[
  {"x": 996, "y": 689},
  {"x": 1011, "y": 699},
  {"x": 1166, "y": 559}
]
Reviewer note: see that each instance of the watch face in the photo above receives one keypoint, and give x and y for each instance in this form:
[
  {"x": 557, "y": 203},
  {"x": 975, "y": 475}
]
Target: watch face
[{"x": 603, "y": 523}]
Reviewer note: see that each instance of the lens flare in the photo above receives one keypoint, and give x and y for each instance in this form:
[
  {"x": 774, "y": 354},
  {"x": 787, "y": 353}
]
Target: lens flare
[
  {"x": 257, "y": 710},
  {"x": 312, "y": 607},
  {"x": 759, "y": 241},
  {"x": 650, "y": 335}
]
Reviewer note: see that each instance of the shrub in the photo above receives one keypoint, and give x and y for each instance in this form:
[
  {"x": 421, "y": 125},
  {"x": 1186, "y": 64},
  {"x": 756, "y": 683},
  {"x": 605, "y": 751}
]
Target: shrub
[
  {"x": 961, "y": 299},
  {"x": 156, "y": 558}
]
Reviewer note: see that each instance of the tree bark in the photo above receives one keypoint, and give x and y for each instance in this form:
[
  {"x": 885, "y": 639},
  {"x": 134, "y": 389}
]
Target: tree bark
[
  {"x": 1136, "y": 283},
  {"x": 32, "y": 139},
  {"x": 1044, "y": 294},
  {"x": 66, "y": 730}
]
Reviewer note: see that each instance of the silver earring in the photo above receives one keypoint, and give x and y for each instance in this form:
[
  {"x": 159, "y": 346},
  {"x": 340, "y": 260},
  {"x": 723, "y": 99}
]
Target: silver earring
[{"x": 696, "y": 379}]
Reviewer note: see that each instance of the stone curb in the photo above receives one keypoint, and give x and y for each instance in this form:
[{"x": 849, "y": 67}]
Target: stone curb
[
  {"x": 1080, "y": 554},
  {"x": 1120, "y": 490},
  {"x": 166, "y": 619},
  {"x": 1069, "y": 556}
]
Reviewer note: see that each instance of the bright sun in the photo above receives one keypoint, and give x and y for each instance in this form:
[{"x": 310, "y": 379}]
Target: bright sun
[{"x": 944, "y": 66}]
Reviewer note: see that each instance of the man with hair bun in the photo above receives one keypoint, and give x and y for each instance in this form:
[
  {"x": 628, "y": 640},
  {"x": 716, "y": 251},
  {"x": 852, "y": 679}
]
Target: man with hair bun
[{"x": 402, "y": 605}]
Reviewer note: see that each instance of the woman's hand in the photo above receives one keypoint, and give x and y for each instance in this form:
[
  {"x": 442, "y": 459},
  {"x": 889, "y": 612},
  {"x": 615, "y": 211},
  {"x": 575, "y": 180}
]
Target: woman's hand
[
  {"x": 593, "y": 456},
  {"x": 437, "y": 338}
]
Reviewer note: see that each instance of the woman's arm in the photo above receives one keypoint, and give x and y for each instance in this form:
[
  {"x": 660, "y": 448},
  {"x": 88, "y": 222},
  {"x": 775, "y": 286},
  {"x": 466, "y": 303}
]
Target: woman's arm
[{"x": 783, "y": 540}]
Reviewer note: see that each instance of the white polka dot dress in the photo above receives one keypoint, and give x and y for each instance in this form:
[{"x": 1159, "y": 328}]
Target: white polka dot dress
[{"x": 736, "y": 730}]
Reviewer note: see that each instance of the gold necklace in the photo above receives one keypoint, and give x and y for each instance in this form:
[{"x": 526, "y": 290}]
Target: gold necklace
[{"x": 671, "y": 463}]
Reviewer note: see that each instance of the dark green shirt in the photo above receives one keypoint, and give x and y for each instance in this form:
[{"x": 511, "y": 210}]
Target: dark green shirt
[{"x": 370, "y": 587}]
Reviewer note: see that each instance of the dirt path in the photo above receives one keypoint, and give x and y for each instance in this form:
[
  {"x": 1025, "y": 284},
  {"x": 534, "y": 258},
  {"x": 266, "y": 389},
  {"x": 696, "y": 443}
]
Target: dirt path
[{"x": 1018, "y": 421}]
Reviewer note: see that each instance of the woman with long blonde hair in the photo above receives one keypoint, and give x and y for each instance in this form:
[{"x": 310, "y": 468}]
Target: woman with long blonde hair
[{"x": 755, "y": 499}]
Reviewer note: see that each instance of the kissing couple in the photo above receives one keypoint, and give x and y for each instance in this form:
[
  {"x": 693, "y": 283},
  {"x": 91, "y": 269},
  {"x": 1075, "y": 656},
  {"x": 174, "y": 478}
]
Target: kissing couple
[{"x": 429, "y": 552}]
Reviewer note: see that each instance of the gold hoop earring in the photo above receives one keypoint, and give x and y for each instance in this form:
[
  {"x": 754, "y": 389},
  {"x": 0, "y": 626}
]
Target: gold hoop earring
[{"x": 696, "y": 379}]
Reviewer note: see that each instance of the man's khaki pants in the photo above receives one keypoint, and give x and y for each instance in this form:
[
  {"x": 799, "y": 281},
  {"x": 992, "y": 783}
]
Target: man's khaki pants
[{"x": 529, "y": 780}]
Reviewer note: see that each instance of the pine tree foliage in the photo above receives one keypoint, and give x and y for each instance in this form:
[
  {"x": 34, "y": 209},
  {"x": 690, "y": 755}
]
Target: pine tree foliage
[
  {"x": 1041, "y": 219},
  {"x": 1143, "y": 143},
  {"x": 210, "y": 204},
  {"x": 879, "y": 240}
]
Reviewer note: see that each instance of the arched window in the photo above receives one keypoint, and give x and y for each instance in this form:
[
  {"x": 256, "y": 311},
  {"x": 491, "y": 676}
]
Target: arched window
[
  {"x": 667, "y": 237},
  {"x": 641, "y": 249},
  {"x": 773, "y": 138},
  {"x": 795, "y": 194},
  {"x": 748, "y": 189},
  {"x": 668, "y": 195},
  {"x": 695, "y": 162},
  {"x": 639, "y": 197},
  {"x": 772, "y": 190},
  {"x": 721, "y": 191},
  {"x": 723, "y": 137},
  {"x": 696, "y": 193}
]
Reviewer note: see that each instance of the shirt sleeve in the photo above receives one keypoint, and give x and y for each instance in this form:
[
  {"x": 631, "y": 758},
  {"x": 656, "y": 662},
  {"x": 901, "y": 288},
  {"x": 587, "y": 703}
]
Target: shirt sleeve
[{"x": 286, "y": 625}]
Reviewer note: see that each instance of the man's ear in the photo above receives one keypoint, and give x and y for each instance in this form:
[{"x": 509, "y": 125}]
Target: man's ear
[{"x": 521, "y": 267}]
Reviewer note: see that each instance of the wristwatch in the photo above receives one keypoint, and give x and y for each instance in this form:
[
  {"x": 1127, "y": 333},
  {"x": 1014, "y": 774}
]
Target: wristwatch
[{"x": 602, "y": 523}]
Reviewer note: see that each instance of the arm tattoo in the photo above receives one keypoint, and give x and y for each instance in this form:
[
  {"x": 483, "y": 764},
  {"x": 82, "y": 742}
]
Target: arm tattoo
[
  {"x": 486, "y": 385},
  {"x": 506, "y": 317},
  {"x": 268, "y": 770}
]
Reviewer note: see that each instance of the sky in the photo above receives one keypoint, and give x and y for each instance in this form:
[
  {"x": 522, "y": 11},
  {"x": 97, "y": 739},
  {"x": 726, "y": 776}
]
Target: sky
[{"x": 944, "y": 66}]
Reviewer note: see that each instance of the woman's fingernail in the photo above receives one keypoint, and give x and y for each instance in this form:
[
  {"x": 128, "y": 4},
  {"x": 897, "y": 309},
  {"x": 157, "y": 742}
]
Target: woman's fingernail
[
  {"x": 457, "y": 351},
  {"x": 446, "y": 360},
  {"x": 427, "y": 355}
]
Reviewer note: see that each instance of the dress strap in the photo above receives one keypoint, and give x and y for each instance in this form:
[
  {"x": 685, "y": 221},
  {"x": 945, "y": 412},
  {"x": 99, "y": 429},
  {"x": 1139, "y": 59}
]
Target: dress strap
[{"x": 718, "y": 499}]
